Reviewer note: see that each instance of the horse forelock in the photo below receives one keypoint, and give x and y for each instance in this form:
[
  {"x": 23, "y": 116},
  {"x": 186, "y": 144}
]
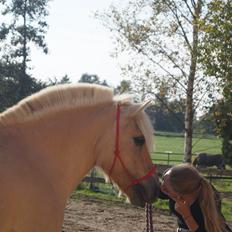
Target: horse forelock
[
  {"x": 147, "y": 130},
  {"x": 59, "y": 97}
]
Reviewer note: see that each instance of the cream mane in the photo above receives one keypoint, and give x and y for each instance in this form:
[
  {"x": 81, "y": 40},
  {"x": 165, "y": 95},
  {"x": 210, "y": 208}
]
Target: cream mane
[{"x": 56, "y": 98}]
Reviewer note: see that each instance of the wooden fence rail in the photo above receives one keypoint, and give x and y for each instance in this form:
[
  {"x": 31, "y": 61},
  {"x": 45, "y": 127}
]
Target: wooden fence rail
[
  {"x": 209, "y": 173},
  {"x": 168, "y": 157}
]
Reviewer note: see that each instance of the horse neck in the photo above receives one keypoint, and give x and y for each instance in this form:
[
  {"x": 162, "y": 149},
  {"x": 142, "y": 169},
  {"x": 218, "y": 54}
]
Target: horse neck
[{"x": 64, "y": 144}]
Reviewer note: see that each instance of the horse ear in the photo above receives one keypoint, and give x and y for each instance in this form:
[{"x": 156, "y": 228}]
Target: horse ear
[{"x": 135, "y": 109}]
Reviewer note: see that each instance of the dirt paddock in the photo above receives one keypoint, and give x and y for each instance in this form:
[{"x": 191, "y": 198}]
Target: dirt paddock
[{"x": 90, "y": 214}]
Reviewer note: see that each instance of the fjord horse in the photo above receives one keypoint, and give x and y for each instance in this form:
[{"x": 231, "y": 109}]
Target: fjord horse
[{"x": 49, "y": 142}]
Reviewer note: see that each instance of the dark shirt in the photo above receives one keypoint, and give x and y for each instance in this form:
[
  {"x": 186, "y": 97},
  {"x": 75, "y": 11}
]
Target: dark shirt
[{"x": 195, "y": 211}]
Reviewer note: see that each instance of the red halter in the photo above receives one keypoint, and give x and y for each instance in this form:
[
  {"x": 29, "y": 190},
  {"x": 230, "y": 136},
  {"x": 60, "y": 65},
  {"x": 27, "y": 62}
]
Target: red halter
[{"x": 117, "y": 156}]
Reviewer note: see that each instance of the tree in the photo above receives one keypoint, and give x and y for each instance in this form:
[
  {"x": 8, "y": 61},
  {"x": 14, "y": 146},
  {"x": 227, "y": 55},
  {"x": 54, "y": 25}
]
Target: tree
[
  {"x": 204, "y": 125},
  {"x": 93, "y": 79},
  {"x": 10, "y": 92},
  {"x": 23, "y": 23},
  {"x": 64, "y": 80},
  {"x": 161, "y": 39},
  {"x": 8, "y": 85},
  {"x": 165, "y": 114},
  {"x": 216, "y": 45},
  {"x": 123, "y": 87},
  {"x": 163, "y": 119},
  {"x": 223, "y": 119},
  {"x": 216, "y": 57}
]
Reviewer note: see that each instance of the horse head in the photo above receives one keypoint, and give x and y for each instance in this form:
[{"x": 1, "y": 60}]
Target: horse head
[{"x": 129, "y": 164}]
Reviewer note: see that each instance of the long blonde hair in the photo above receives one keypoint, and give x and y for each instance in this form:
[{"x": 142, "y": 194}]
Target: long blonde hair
[{"x": 185, "y": 179}]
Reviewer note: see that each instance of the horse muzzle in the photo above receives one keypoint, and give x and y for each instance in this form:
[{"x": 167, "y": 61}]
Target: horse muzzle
[{"x": 146, "y": 191}]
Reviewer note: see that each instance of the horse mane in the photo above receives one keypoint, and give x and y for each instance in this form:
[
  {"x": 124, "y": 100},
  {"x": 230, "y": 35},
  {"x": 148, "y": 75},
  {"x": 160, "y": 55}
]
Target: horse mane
[{"x": 59, "y": 97}]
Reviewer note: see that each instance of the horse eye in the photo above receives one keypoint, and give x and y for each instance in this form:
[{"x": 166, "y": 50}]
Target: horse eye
[{"x": 139, "y": 140}]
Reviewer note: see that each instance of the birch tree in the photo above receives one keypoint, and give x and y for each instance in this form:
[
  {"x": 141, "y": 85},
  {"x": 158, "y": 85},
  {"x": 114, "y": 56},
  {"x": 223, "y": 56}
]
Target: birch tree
[{"x": 161, "y": 39}]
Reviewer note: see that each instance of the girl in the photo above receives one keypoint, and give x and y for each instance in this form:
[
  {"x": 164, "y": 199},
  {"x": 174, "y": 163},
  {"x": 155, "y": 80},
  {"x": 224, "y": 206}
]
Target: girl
[{"x": 193, "y": 200}]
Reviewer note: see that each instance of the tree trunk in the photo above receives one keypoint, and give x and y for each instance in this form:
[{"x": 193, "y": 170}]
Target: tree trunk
[
  {"x": 189, "y": 100},
  {"x": 23, "y": 75}
]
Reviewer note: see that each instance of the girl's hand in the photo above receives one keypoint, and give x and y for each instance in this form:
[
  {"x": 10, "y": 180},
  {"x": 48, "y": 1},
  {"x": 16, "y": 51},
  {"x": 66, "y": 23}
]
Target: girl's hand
[{"x": 183, "y": 209}]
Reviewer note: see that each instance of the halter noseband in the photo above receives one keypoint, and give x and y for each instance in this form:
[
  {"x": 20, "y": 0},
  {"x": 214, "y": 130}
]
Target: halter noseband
[{"x": 134, "y": 181}]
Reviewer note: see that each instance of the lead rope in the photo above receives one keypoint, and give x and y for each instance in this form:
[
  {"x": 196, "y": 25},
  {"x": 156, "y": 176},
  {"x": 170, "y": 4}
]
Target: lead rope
[{"x": 149, "y": 221}]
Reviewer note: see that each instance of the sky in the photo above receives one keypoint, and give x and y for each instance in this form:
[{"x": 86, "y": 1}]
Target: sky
[{"x": 78, "y": 43}]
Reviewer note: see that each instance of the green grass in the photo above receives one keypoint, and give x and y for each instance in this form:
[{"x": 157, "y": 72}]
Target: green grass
[
  {"x": 104, "y": 192},
  {"x": 175, "y": 144},
  {"x": 227, "y": 209},
  {"x": 223, "y": 186},
  {"x": 161, "y": 204}
]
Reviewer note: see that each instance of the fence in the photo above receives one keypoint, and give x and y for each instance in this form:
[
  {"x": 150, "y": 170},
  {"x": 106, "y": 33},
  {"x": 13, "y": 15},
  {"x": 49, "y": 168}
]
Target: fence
[
  {"x": 210, "y": 173},
  {"x": 169, "y": 155}
]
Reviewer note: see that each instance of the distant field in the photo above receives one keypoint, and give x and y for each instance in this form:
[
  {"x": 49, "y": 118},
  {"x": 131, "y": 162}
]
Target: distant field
[{"x": 174, "y": 143}]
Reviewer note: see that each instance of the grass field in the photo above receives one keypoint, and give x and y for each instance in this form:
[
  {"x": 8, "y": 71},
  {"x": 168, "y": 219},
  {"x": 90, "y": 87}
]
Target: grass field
[{"x": 165, "y": 143}]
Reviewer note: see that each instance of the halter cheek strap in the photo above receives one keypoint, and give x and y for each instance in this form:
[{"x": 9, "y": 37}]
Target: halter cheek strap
[{"x": 133, "y": 180}]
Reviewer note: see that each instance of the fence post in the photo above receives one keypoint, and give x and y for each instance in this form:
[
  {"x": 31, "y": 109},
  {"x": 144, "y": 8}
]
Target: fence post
[
  {"x": 210, "y": 178},
  {"x": 92, "y": 175},
  {"x": 168, "y": 152}
]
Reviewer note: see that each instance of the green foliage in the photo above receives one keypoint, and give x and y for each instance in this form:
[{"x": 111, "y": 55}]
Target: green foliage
[
  {"x": 23, "y": 22},
  {"x": 216, "y": 45},
  {"x": 216, "y": 57},
  {"x": 10, "y": 85},
  {"x": 223, "y": 118},
  {"x": 167, "y": 115},
  {"x": 205, "y": 124},
  {"x": 64, "y": 80},
  {"x": 94, "y": 79},
  {"x": 124, "y": 87}
]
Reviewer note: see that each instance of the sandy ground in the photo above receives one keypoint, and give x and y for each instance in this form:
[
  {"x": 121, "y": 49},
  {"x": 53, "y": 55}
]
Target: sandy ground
[{"x": 88, "y": 214}]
